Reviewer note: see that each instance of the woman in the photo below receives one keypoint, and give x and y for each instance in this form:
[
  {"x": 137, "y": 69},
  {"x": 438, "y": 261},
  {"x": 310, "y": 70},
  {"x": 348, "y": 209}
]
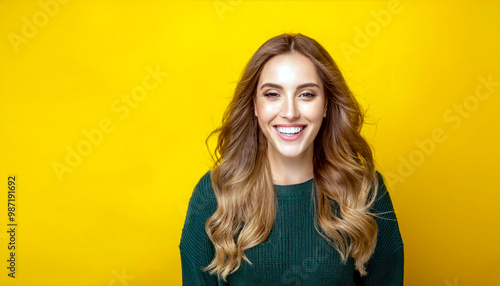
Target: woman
[{"x": 293, "y": 191}]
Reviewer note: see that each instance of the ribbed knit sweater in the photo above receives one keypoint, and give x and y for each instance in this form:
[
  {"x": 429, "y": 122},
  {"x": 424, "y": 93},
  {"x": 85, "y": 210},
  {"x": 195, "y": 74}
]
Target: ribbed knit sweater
[{"x": 294, "y": 252}]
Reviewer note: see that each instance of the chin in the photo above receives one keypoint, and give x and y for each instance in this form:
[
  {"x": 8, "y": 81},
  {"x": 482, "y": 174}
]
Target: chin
[{"x": 291, "y": 153}]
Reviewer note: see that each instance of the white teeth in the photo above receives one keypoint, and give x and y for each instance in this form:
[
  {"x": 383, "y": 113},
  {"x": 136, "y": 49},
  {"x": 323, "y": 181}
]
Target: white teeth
[{"x": 289, "y": 130}]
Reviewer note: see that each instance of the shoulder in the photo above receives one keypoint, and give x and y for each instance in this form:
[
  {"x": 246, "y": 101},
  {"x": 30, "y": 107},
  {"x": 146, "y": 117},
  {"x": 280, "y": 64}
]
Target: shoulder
[
  {"x": 195, "y": 242},
  {"x": 389, "y": 237},
  {"x": 203, "y": 201},
  {"x": 383, "y": 202},
  {"x": 204, "y": 187},
  {"x": 382, "y": 205}
]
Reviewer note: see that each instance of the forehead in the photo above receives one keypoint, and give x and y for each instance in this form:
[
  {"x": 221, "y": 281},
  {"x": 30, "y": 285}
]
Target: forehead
[{"x": 289, "y": 70}]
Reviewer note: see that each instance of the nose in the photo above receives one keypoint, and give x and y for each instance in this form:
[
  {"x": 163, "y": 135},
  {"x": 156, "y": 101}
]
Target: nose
[{"x": 289, "y": 109}]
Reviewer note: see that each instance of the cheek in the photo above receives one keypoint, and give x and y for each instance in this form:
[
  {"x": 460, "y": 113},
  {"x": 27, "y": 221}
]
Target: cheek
[
  {"x": 314, "y": 112},
  {"x": 266, "y": 112}
]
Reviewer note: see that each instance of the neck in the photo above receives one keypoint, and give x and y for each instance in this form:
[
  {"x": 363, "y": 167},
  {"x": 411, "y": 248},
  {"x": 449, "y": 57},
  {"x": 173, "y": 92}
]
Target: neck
[{"x": 289, "y": 171}]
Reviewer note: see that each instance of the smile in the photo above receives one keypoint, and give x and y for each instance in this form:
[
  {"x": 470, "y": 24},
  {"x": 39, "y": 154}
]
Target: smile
[{"x": 290, "y": 133}]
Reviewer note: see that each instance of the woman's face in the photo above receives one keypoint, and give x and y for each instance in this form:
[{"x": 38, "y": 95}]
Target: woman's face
[{"x": 290, "y": 105}]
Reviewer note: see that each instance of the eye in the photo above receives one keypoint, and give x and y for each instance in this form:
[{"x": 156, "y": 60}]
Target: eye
[
  {"x": 271, "y": 94},
  {"x": 308, "y": 95}
]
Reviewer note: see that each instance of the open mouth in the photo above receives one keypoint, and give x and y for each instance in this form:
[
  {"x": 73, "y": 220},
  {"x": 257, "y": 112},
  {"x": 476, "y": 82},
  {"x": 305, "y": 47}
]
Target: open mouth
[{"x": 289, "y": 131}]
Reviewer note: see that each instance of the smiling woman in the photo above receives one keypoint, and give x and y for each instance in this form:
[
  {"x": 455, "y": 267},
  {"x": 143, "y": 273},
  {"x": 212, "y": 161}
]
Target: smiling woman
[
  {"x": 290, "y": 107},
  {"x": 293, "y": 191}
]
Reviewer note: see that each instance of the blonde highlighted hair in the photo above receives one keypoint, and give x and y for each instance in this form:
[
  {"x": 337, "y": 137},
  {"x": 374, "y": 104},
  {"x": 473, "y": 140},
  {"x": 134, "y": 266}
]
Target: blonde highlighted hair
[{"x": 344, "y": 170}]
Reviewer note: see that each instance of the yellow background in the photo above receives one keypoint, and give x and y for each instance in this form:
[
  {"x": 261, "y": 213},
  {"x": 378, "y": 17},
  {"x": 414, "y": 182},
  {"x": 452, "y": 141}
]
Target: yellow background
[{"x": 116, "y": 218}]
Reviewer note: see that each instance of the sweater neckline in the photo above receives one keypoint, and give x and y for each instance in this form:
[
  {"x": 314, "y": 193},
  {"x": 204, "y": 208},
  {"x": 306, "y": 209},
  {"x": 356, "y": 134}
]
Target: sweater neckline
[{"x": 295, "y": 190}]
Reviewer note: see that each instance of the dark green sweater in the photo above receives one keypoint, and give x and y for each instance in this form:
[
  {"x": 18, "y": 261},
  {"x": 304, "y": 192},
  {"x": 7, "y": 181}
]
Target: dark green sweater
[{"x": 294, "y": 253}]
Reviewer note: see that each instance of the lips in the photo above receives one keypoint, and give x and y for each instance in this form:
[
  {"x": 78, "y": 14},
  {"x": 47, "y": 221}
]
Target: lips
[{"x": 290, "y": 132}]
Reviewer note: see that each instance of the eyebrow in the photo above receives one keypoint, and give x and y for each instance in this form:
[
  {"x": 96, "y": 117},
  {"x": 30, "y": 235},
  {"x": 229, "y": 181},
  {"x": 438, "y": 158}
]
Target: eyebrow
[{"x": 309, "y": 84}]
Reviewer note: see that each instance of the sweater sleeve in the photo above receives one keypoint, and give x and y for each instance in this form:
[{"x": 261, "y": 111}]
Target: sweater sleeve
[
  {"x": 386, "y": 266},
  {"x": 196, "y": 248}
]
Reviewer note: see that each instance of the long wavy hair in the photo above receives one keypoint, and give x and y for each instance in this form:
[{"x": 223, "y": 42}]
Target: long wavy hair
[{"x": 344, "y": 172}]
